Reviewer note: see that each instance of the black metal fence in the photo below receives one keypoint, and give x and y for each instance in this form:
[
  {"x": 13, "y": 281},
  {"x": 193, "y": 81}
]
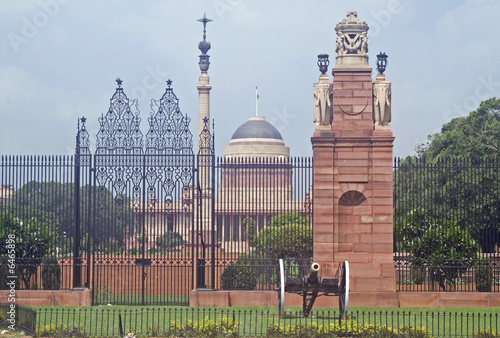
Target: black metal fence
[
  {"x": 447, "y": 224},
  {"x": 191, "y": 322},
  {"x": 133, "y": 226},
  {"x": 37, "y": 209},
  {"x": 18, "y": 318},
  {"x": 262, "y": 210}
]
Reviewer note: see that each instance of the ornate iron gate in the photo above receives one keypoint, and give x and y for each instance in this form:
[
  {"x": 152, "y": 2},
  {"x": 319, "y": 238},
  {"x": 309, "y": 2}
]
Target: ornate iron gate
[{"x": 142, "y": 213}]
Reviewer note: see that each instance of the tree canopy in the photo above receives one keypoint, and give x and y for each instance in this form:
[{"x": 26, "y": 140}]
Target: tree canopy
[
  {"x": 54, "y": 203},
  {"x": 455, "y": 177},
  {"x": 475, "y": 135},
  {"x": 287, "y": 235},
  {"x": 33, "y": 241},
  {"x": 446, "y": 249}
]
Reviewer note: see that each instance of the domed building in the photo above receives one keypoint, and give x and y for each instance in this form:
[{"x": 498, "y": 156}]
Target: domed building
[
  {"x": 255, "y": 182},
  {"x": 257, "y": 138}
]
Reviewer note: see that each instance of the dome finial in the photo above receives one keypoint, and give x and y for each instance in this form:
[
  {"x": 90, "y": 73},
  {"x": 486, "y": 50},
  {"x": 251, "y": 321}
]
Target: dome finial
[{"x": 256, "y": 101}]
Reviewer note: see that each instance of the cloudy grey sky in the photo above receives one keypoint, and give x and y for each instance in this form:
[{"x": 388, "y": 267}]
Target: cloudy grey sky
[{"x": 59, "y": 60}]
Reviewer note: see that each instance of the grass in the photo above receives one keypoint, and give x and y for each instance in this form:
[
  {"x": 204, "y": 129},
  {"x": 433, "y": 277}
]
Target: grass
[
  {"x": 104, "y": 320},
  {"x": 137, "y": 300}
]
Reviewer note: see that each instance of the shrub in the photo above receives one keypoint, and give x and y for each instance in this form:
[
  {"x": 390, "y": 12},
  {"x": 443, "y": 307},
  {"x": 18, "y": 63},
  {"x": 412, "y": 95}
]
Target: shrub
[
  {"x": 415, "y": 224},
  {"x": 418, "y": 275},
  {"x": 486, "y": 333},
  {"x": 291, "y": 240},
  {"x": 170, "y": 240},
  {"x": 446, "y": 250},
  {"x": 51, "y": 273},
  {"x": 345, "y": 329},
  {"x": 34, "y": 239},
  {"x": 238, "y": 277},
  {"x": 250, "y": 231},
  {"x": 223, "y": 327},
  {"x": 288, "y": 218},
  {"x": 111, "y": 247},
  {"x": 3, "y": 319},
  {"x": 59, "y": 330},
  {"x": 483, "y": 274}
]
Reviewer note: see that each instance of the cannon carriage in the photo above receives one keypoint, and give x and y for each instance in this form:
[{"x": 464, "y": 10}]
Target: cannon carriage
[{"x": 312, "y": 285}]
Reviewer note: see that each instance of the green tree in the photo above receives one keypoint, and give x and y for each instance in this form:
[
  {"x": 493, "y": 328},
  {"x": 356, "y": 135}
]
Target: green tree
[
  {"x": 283, "y": 238},
  {"x": 289, "y": 217},
  {"x": 250, "y": 230},
  {"x": 33, "y": 241},
  {"x": 289, "y": 240},
  {"x": 54, "y": 203},
  {"x": 476, "y": 135},
  {"x": 414, "y": 225},
  {"x": 455, "y": 176},
  {"x": 114, "y": 219},
  {"x": 445, "y": 250}
]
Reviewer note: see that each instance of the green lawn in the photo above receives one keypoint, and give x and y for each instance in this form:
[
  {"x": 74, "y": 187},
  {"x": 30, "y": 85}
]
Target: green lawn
[{"x": 254, "y": 321}]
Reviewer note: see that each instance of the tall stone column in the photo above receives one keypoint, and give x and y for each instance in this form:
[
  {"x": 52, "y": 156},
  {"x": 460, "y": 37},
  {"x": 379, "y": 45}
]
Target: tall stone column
[
  {"x": 205, "y": 146},
  {"x": 204, "y": 90},
  {"x": 353, "y": 177},
  {"x": 203, "y": 107}
]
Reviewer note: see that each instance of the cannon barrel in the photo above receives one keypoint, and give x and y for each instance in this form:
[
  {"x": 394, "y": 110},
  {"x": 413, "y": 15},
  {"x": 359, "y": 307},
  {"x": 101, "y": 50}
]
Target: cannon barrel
[{"x": 313, "y": 273}]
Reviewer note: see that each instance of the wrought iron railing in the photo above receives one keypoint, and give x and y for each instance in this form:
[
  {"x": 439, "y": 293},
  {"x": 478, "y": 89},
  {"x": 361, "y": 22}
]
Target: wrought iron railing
[
  {"x": 446, "y": 224},
  {"x": 197, "y": 322},
  {"x": 249, "y": 195},
  {"x": 17, "y": 318}
]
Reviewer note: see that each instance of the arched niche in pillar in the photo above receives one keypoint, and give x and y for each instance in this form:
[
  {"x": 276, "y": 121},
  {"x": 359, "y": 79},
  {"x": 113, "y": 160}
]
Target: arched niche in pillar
[
  {"x": 351, "y": 198},
  {"x": 350, "y": 219}
]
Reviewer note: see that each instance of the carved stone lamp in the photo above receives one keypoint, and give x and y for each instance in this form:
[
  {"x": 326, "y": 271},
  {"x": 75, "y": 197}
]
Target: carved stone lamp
[
  {"x": 323, "y": 63},
  {"x": 381, "y": 65}
]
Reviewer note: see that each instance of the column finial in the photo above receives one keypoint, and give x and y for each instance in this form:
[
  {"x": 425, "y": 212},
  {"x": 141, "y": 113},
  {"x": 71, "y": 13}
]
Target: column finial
[{"x": 204, "y": 45}]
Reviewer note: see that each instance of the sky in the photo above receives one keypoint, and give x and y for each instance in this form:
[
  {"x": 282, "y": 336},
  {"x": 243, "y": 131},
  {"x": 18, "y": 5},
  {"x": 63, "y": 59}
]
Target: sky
[{"x": 59, "y": 60}]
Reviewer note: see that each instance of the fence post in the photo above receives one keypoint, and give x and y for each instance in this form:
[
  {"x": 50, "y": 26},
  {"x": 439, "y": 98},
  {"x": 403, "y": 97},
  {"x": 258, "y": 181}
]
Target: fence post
[{"x": 77, "y": 262}]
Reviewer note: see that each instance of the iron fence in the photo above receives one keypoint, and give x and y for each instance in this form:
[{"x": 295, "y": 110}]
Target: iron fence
[
  {"x": 446, "y": 224},
  {"x": 37, "y": 208},
  {"x": 121, "y": 224},
  {"x": 205, "y": 229},
  {"x": 20, "y": 318},
  {"x": 196, "y": 322},
  {"x": 261, "y": 211}
]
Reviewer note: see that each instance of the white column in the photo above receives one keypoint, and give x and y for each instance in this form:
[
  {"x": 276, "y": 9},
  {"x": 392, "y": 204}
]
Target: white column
[{"x": 203, "y": 102}]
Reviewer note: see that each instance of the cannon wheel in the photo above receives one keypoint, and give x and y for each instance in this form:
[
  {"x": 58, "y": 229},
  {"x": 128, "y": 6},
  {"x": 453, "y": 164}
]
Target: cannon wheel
[
  {"x": 344, "y": 290},
  {"x": 281, "y": 290}
]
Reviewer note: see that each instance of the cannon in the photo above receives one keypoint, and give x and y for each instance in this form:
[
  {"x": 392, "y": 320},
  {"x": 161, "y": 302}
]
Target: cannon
[{"x": 311, "y": 286}]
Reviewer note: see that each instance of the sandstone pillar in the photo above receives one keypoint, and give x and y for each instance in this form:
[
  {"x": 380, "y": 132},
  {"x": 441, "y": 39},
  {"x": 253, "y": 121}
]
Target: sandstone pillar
[{"x": 353, "y": 173}]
